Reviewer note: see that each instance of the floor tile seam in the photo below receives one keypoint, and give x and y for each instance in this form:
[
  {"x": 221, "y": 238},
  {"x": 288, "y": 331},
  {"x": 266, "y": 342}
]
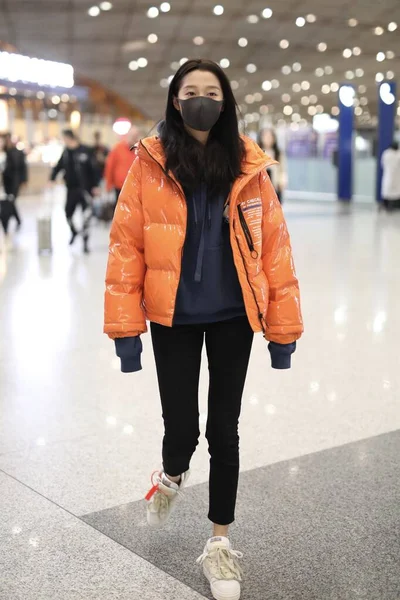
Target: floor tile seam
[
  {"x": 254, "y": 469},
  {"x": 81, "y": 520}
]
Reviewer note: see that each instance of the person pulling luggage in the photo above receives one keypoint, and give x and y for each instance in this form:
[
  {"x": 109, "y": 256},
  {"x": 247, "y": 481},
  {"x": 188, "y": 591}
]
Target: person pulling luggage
[{"x": 80, "y": 178}]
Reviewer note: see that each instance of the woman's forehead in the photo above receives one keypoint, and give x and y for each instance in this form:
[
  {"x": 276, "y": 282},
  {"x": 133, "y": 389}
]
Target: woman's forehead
[{"x": 201, "y": 79}]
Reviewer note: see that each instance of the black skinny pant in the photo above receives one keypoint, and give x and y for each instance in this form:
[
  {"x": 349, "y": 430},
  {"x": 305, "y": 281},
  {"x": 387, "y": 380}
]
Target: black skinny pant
[{"x": 177, "y": 353}]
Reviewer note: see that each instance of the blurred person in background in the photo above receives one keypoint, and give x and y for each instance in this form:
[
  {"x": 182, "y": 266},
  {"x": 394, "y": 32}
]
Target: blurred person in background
[
  {"x": 199, "y": 247},
  {"x": 100, "y": 152},
  {"x": 267, "y": 140},
  {"x": 119, "y": 161},
  {"x": 80, "y": 179},
  {"x": 15, "y": 173},
  {"x": 391, "y": 177}
]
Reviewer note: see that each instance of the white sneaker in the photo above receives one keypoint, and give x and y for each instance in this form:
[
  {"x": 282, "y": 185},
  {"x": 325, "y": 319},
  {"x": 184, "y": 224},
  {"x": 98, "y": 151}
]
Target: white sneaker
[
  {"x": 221, "y": 567},
  {"x": 162, "y": 497}
]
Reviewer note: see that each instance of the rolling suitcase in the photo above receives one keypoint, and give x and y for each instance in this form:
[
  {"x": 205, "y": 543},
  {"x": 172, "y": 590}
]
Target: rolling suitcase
[{"x": 44, "y": 234}]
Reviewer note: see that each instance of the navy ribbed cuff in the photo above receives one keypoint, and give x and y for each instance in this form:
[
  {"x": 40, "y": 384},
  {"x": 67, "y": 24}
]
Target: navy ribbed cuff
[
  {"x": 281, "y": 355},
  {"x": 131, "y": 365}
]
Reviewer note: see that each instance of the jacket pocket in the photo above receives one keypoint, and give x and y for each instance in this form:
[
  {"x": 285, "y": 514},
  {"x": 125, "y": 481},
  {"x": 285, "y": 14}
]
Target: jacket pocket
[{"x": 247, "y": 233}]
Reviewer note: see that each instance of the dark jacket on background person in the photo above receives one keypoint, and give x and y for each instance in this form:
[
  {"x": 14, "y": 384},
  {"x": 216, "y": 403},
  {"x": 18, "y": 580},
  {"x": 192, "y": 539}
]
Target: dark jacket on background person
[
  {"x": 79, "y": 171},
  {"x": 99, "y": 156},
  {"x": 15, "y": 171}
]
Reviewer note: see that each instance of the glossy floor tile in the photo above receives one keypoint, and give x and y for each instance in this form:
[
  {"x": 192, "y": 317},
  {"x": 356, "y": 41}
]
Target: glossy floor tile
[
  {"x": 47, "y": 553},
  {"x": 323, "y": 526},
  {"x": 77, "y": 431}
]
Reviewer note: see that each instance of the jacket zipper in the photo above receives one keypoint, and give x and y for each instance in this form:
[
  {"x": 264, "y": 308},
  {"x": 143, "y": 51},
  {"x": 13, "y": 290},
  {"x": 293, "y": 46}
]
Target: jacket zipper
[
  {"x": 247, "y": 233},
  {"x": 183, "y": 195},
  {"x": 260, "y": 315}
]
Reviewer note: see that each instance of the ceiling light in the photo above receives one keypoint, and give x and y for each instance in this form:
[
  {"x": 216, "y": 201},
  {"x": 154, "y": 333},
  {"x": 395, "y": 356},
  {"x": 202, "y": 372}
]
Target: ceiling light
[
  {"x": 286, "y": 98},
  {"x": 358, "y": 111},
  {"x": 335, "y": 111},
  {"x": 164, "y": 83},
  {"x": 274, "y": 83},
  {"x": 363, "y": 101},
  {"x": 266, "y": 86},
  {"x": 165, "y": 7},
  {"x": 320, "y": 109},
  {"x": 334, "y": 87},
  {"x": 106, "y": 5},
  {"x": 253, "y": 19},
  {"x": 243, "y": 42},
  {"x": 378, "y": 30},
  {"x": 319, "y": 72},
  {"x": 390, "y": 75},
  {"x": 264, "y": 109},
  {"x": 356, "y": 51},
  {"x": 258, "y": 97},
  {"x": 224, "y": 62},
  {"x": 347, "y": 52},
  {"x": 287, "y": 110},
  {"x": 300, "y": 21},
  {"x": 234, "y": 84},
  {"x": 322, "y": 47},
  {"x": 312, "y": 111},
  {"x": 296, "y": 117},
  {"x": 313, "y": 99},
  {"x": 392, "y": 26},
  {"x": 183, "y": 61},
  {"x": 251, "y": 68},
  {"x": 218, "y": 10},
  {"x": 326, "y": 89},
  {"x": 153, "y": 12},
  {"x": 198, "y": 40},
  {"x": 362, "y": 89},
  {"x": 175, "y": 65},
  {"x": 349, "y": 75},
  {"x": 65, "y": 98},
  {"x": 249, "y": 99},
  {"x": 311, "y": 18},
  {"x": 359, "y": 72},
  {"x": 94, "y": 11},
  {"x": 352, "y": 22},
  {"x": 142, "y": 62},
  {"x": 296, "y": 87},
  {"x": 305, "y": 85},
  {"x": 267, "y": 13},
  {"x": 296, "y": 67},
  {"x": 379, "y": 77},
  {"x": 286, "y": 70},
  {"x": 390, "y": 54},
  {"x": 170, "y": 78},
  {"x": 328, "y": 70},
  {"x": 305, "y": 100},
  {"x": 284, "y": 44},
  {"x": 56, "y": 99},
  {"x": 133, "y": 65},
  {"x": 152, "y": 38},
  {"x": 380, "y": 57}
]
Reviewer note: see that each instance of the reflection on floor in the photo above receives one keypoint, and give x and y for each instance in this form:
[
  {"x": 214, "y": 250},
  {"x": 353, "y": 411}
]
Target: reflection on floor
[{"x": 77, "y": 437}]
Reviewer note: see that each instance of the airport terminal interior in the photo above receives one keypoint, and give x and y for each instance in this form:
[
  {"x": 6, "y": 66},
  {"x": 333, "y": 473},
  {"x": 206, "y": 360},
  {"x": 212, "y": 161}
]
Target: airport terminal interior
[{"x": 318, "y": 509}]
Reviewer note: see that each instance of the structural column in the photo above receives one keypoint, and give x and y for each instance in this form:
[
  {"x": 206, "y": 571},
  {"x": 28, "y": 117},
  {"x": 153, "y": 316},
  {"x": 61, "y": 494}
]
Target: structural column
[
  {"x": 386, "y": 125},
  {"x": 345, "y": 143}
]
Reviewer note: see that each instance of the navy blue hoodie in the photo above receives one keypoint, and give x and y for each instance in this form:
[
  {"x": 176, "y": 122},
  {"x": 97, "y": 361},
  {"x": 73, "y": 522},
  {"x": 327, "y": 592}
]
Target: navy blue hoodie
[{"x": 209, "y": 289}]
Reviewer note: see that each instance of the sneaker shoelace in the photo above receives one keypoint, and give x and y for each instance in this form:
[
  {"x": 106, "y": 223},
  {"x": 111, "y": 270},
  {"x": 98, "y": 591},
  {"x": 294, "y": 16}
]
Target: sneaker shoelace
[
  {"x": 159, "y": 500},
  {"x": 223, "y": 563}
]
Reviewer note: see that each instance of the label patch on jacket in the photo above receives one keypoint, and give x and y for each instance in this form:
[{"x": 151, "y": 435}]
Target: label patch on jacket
[{"x": 252, "y": 211}]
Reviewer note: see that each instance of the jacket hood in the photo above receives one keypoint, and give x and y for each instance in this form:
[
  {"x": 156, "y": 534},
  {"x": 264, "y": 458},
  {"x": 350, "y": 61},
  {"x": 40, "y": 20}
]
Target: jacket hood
[{"x": 254, "y": 161}]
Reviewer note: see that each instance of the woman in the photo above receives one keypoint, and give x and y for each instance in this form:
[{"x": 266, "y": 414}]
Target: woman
[
  {"x": 268, "y": 142},
  {"x": 391, "y": 177},
  {"x": 199, "y": 247}
]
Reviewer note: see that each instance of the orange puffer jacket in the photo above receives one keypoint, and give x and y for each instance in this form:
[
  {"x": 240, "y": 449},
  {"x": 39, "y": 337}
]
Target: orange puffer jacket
[{"x": 148, "y": 235}]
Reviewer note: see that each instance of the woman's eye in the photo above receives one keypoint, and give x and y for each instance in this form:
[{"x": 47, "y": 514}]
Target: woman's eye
[
  {"x": 213, "y": 94},
  {"x": 190, "y": 94}
]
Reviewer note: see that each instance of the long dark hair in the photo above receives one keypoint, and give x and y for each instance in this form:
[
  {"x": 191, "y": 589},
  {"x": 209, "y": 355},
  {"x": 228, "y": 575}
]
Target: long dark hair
[
  {"x": 219, "y": 162},
  {"x": 275, "y": 146}
]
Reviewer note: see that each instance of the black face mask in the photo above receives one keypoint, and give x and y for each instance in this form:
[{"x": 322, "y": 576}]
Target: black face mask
[{"x": 200, "y": 113}]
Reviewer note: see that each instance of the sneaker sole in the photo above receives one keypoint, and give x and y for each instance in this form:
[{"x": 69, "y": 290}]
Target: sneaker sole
[{"x": 217, "y": 595}]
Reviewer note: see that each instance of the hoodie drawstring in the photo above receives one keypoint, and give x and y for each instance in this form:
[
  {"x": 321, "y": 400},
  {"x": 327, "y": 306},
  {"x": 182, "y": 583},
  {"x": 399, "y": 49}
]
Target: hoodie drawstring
[{"x": 200, "y": 253}]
